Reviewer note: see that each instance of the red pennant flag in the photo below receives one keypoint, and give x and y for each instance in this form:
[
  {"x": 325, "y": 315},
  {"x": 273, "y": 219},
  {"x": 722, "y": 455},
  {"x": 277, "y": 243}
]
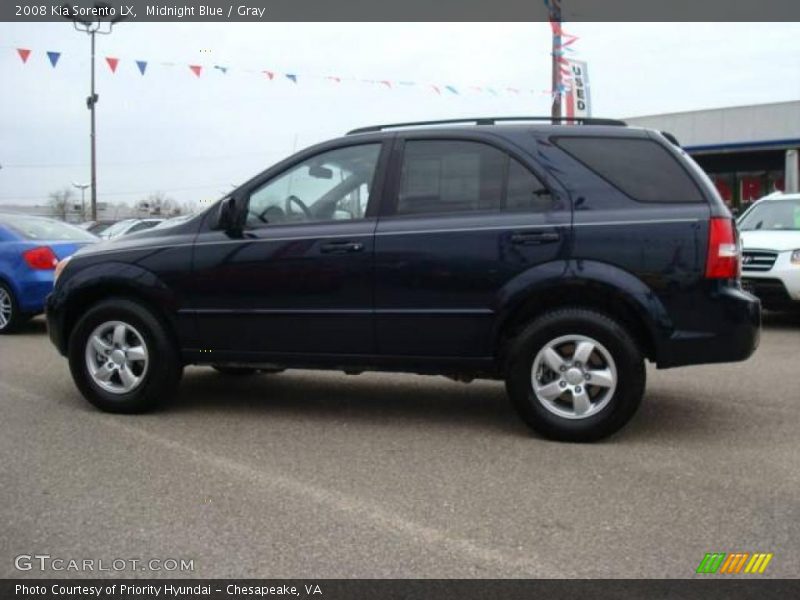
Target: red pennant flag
[
  {"x": 269, "y": 74},
  {"x": 112, "y": 63},
  {"x": 336, "y": 79},
  {"x": 24, "y": 53},
  {"x": 387, "y": 83},
  {"x": 437, "y": 90},
  {"x": 196, "y": 69}
]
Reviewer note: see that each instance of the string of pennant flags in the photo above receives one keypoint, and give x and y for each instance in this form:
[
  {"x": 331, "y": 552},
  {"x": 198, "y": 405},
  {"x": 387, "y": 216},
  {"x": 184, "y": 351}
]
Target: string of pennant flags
[
  {"x": 200, "y": 70},
  {"x": 562, "y": 49}
]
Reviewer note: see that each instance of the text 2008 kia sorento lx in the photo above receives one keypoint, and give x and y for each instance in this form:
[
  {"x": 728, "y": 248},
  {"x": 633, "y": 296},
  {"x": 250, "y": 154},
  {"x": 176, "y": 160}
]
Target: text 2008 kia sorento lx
[{"x": 555, "y": 257}]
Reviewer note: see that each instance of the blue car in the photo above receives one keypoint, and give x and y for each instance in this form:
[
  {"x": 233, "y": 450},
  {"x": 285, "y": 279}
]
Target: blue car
[{"x": 30, "y": 248}]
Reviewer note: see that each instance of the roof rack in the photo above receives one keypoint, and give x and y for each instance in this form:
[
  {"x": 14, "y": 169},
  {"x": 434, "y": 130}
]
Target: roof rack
[{"x": 492, "y": 121}]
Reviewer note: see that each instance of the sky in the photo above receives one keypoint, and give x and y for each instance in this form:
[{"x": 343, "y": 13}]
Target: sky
[{"x": 195, "y": 138}]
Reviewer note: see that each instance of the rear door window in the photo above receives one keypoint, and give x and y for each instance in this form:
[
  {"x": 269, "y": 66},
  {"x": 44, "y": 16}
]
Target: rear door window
[
  {"x": 443, "y": 177},
  {"x": 641, "y": 168}
]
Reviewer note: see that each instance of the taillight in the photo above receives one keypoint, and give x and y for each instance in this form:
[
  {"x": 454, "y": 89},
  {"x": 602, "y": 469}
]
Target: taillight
[
  {"x": 41, "y": 258},
  {"x": 723, "y": 250}
]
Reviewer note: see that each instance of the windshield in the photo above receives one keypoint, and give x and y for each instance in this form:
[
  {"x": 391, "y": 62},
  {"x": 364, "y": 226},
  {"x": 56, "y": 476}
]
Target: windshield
[
  {"x": 772, "y": 215},
  {"x": 116, "y": 228},
  {"x": 39, "y": 228},
  {"x": 172, "y": 222}
]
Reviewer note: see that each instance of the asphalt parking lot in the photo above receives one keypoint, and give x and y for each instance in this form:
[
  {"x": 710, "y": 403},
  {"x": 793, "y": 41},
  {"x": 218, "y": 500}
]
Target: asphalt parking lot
[{"x": 308, "y": 474}]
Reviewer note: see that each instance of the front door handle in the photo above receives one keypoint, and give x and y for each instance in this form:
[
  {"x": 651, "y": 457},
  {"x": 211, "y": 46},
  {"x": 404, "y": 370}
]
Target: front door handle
[
  {"x": 530, "y": 239},
  {"x": 341, "y": 247}
]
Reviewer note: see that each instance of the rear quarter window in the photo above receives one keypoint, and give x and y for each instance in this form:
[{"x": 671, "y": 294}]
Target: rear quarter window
[{"x": 641, "y": 168}]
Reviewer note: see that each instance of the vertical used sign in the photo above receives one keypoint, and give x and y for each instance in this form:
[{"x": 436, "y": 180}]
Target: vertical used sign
[{"x": 578, "y": 98}]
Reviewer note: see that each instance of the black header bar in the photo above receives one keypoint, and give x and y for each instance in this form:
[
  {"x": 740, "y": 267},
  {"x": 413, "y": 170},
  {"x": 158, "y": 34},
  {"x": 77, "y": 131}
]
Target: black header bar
[{"x": 398, "y": 10}]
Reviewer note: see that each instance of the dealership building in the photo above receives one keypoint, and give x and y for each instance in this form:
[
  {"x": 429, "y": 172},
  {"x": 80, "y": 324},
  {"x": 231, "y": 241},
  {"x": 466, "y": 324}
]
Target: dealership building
[{"x": 749, "y": 151}]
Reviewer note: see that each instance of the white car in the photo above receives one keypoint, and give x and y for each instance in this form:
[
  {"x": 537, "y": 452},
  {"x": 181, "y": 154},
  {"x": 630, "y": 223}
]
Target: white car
[
  {"x": 127, "y": 226},
  {"x": 770, "y": 235}
]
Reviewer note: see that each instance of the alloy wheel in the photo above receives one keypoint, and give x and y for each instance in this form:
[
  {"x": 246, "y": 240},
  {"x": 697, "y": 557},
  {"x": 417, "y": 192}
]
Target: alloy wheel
[
  {"x": 574, "y": 376},
  {"x": 116, "y": 357},
  {"x": 5, "y": 308}
]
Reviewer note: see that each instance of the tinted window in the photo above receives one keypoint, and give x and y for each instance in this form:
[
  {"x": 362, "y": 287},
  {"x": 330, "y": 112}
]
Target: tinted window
[
  {"x": 453, "y": 176},
  {"x": 643, "y": 169},
  {"x": 330, "y": 186},
  {"x": 525, "y": 191},
  {"x": 37, "y": 228}
]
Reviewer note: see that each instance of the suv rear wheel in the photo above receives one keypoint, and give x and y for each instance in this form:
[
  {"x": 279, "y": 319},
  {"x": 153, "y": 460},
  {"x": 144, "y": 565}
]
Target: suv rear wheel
[
  {"x": 575, "y": 375},
  {"x": 121, "y": 357}
]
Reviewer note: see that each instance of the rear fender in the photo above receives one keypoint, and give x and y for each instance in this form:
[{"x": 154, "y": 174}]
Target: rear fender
[{"x": 585, "y": 283}]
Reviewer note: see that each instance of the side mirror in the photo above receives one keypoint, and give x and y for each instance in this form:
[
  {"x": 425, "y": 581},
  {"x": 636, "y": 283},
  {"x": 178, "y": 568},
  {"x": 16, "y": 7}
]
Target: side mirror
[{"x": 228, "y": 216}]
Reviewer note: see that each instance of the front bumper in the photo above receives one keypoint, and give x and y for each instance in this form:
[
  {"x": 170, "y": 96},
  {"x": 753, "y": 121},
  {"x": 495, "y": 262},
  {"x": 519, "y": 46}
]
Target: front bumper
[
  {"x": 779, "y": 287},
  {"x": 55, "y": 325},
  {"x": 731, "y": 332}
]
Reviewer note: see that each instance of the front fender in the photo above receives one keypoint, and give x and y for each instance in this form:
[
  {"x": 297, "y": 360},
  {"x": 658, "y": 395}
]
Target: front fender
[
  {"x": 75, "y": 291},
  {"x": 112, "y": 276}
]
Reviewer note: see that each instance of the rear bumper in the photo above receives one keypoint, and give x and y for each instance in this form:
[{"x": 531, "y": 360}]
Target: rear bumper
[
  {"x": 732, "y": 332},
  {"x": 32, "y": 290}
]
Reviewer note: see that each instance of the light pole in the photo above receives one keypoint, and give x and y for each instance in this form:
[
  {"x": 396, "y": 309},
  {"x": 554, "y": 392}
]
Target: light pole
[
  {"x": 91, "y": 28},
  {"x": 82, "y": 187}
]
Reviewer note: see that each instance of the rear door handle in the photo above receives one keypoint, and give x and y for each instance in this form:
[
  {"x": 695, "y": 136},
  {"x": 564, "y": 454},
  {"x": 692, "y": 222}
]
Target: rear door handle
[
  {"x": 530, "y": 239},
  {"x": 341, "y": 247}
]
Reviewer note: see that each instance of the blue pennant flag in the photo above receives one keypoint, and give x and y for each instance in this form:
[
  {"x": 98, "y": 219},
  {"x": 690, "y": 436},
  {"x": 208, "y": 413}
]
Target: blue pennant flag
[
  {"x": 452, "y": 89},
  {"x": 223, "y": 69},
  {"x": 53, "y": 56},
  {"x": 292, "y": 77},
  {"x": 142, "y": 64}
]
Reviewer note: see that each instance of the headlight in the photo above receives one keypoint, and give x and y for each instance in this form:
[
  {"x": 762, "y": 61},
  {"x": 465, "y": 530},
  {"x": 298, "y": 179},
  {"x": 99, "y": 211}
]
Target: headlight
[
  {"x": 60, "y": 267},
  {"x": 795, "y": 258}
]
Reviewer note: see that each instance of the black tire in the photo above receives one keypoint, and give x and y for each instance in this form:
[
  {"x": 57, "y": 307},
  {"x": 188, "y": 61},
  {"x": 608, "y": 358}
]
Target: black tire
[
  {"x": 615, "y": 340},
  {"x": 237, "y": 371},
  {"x": 16, "y": 318},
  {"x": 159, "y": 381}
]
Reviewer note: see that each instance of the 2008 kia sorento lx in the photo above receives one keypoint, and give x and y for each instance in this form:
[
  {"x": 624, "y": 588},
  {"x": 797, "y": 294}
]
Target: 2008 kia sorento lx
[{"x": 555, "y": 257}]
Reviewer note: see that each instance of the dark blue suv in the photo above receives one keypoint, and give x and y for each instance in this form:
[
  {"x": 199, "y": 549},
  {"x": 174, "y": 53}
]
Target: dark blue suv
[{"x": 557, "y": 257}]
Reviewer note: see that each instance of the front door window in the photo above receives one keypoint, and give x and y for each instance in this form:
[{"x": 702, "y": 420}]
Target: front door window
[{"x": 331, "y": 186}]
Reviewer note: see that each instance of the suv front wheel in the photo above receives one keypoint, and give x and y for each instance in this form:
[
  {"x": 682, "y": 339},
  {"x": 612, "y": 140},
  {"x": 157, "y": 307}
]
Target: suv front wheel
[
  {"x": 575, "y": 375},
  {"x": 121, "y": 358}
]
